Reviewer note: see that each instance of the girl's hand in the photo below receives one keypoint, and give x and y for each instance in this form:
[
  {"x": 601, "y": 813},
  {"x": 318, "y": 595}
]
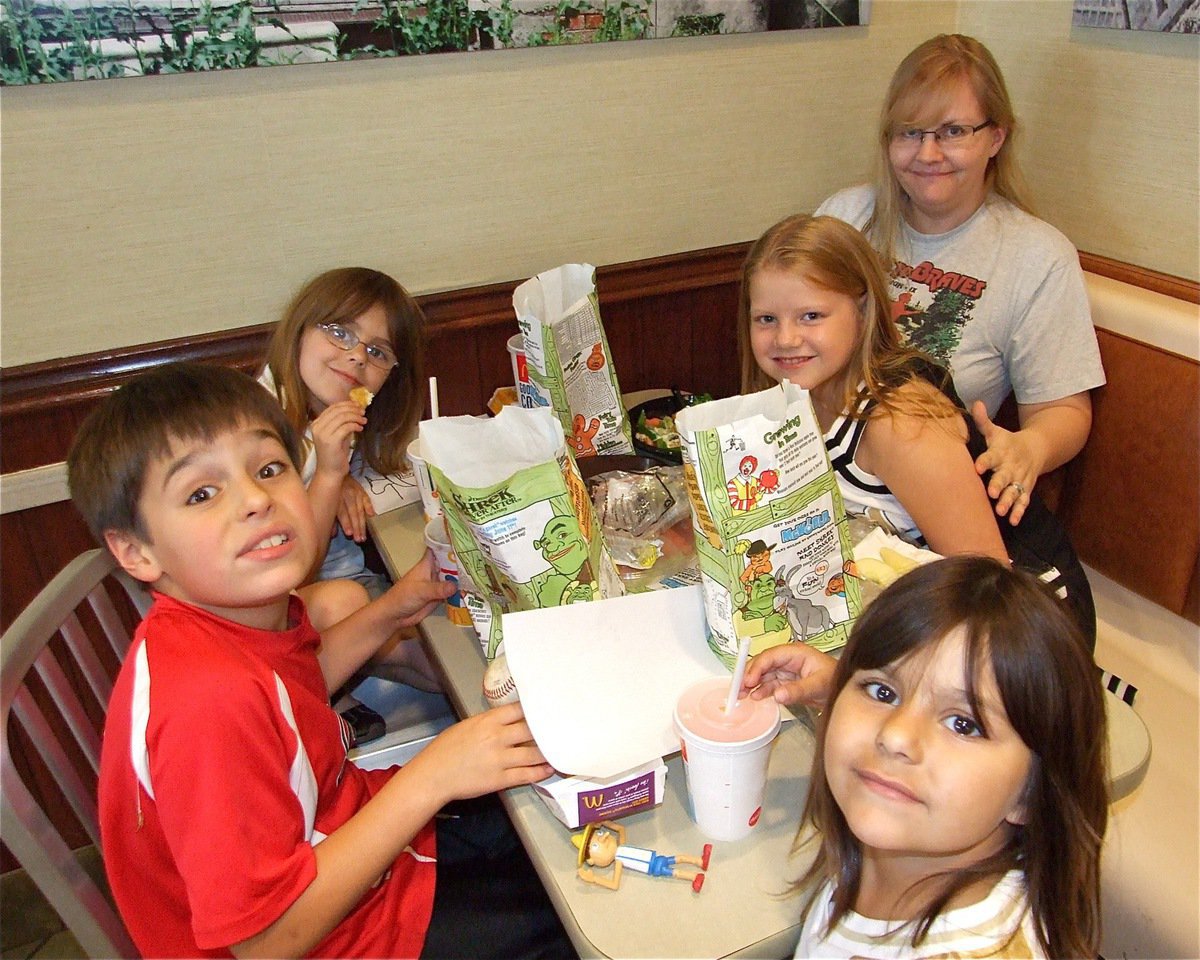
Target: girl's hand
[
  {"x": 354, "y": 509},
  {"x": 1014, "y": 463},
  {"x": 415, "y": 595},
  {"x": 333, "y": 434},
  {"x": 790, "y": 673},
  {"x": 490, "y": 751}
]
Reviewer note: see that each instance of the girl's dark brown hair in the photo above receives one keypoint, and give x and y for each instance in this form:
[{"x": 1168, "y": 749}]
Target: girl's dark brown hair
[
  {"x": 831, "y": 254},
  {"x": 339, "y": 296},
  {"x": 1051, "y": 692}
]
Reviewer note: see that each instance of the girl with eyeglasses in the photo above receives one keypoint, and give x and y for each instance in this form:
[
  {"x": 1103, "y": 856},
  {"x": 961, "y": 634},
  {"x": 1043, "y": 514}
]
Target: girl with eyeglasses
[
  {"x": 345, "y": 330},
  {"x": 977, "y": 281}
]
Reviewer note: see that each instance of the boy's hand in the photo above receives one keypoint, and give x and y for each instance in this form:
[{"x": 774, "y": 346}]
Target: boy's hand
[
  {"x": 490, "y": 751},
  {"x": 790, "y": 673},
  {"x": 333, "y": 432},
  {"x": 354, "y": 509},
  {"x": 415, "y": 595}
]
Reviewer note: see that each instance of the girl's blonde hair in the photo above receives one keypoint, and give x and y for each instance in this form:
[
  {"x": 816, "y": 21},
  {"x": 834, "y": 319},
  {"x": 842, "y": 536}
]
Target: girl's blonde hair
[
  {"x": 922, "y": 86},
  {"x": 831, "y": 254},
  {"x": 1050, "y": 690},
  {"x": 340, "y": 296}
]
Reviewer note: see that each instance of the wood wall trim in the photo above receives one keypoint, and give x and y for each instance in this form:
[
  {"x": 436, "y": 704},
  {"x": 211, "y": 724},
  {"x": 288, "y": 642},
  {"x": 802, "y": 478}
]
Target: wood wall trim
[
  {"x": 1164, "y": 283},
  {"x": 88, "y": 376}
]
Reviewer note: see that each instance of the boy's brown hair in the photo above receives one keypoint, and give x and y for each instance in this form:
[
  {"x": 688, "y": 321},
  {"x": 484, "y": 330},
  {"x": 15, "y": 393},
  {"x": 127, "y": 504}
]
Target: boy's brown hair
[{"x": 134, "y": 427}]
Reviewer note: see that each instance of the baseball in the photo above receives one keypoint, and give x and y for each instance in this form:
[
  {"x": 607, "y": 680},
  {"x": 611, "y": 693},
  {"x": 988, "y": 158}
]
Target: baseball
[{"x": 498, "y": 686}]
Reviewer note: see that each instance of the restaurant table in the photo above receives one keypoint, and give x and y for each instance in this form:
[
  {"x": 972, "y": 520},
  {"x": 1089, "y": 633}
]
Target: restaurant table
[{"x": 742, "y": 910}]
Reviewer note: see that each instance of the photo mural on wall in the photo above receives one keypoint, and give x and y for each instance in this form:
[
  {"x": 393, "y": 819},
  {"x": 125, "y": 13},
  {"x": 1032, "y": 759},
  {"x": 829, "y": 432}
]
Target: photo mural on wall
[{"x": 45, "y": 41}]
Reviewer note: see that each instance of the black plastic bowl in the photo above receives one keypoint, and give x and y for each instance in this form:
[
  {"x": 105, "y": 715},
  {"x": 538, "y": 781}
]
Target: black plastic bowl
[{"x": 660, "y": 407}]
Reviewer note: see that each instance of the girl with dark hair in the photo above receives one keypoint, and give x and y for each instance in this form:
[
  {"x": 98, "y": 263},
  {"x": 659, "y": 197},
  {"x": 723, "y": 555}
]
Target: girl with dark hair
[{"x": 958, "y": 798}]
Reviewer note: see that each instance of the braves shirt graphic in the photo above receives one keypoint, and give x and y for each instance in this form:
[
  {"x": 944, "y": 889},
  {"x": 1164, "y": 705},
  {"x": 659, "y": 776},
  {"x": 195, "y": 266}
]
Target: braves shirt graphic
[{"x": 932, "y": 306}]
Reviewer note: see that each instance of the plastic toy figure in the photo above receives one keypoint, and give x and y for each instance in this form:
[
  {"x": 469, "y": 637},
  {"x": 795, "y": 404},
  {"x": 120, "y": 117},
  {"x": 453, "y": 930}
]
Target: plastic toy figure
[{"x": 603, "y": 844}]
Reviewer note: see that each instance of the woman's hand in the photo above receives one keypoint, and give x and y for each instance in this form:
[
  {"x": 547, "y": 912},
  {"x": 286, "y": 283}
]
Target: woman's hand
[
  {"x": 1014, "y": 462},
  {"x": 1051, "y": 434},
  {"x": 790, "y": 673},
  {"x": 354, "y": 509},
  {"x": 333, "y": 435}
]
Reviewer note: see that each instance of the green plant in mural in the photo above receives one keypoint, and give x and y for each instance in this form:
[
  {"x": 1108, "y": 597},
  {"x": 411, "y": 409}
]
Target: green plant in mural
[
  {"x": 48, "y": 43},
  {"x": 698, "y": 25},
  {"x": 433, "y": 26},
  {"x": 577, "y": 21},
  {"x": 625, "y": 20}
]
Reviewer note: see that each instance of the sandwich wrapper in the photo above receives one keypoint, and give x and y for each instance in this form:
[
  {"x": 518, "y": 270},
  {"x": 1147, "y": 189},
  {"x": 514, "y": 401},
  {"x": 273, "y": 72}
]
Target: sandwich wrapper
[{"x": 598, "y": 683}]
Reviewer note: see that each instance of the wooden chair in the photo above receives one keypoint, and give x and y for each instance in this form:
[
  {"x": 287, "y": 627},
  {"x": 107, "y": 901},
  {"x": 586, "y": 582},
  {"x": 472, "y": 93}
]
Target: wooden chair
[{"x": 60, "y": 735}]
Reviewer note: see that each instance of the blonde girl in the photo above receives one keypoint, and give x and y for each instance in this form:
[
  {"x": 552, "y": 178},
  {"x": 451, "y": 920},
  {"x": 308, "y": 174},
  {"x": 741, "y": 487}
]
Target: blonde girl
[
  {"x": 958, "y": 798},
  {"x": 814, "y": 310}
]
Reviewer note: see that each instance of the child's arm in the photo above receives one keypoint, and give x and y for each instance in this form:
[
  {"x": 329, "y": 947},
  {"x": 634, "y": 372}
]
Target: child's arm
[
  {"x": 333, "y": 432},
  {"x": 491, "y": 751},
  {"x": 348, "y": 644},
  {"x": 353, "y": 509},
  {"x": 926, "y": 464}
]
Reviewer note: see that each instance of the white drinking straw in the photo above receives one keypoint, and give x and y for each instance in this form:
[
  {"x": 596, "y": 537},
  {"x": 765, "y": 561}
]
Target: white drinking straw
[
  {"x": 433, "y": 399},
  {"x": 739, "y": 671}
]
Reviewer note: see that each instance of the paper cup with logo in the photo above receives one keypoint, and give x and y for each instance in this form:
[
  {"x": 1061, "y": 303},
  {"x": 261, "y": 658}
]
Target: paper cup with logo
[
  {"x": 438, "y": 541},
  {"x": 725, "y": 757},
  {"x": 429, "y": 498}
]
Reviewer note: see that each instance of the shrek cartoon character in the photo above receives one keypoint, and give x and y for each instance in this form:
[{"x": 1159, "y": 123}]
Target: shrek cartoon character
[
  {"x": 569, "y": 579},
  {"x": 760, "y": 604}
]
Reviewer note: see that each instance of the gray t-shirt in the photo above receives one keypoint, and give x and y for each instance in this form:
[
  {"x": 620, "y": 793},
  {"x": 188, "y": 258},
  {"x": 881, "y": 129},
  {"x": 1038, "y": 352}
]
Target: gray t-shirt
[{"x": 1000, "y": 298}]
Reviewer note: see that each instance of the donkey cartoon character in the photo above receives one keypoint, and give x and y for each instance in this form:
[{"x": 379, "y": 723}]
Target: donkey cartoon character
[{"x": 805, "y": 617}]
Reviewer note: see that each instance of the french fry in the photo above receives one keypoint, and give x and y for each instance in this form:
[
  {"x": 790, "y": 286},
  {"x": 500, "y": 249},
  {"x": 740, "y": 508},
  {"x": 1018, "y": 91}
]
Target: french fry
[
  {"x": 897, "y": 561},
  {"x": 876, "y": 570}
]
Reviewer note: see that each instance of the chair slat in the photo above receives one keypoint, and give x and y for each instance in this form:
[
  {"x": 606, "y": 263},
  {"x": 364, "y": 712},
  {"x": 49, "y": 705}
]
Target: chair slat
[
  {"x": 110, "y": 622},
  {"x": 83, "y": 650},
  {"x": 78, "y": 795}
]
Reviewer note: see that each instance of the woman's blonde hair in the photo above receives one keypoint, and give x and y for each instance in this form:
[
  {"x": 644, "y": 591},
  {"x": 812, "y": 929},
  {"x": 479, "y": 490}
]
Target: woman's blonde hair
[
  {"x": 340, "y": 296},
  {"x": 831, "y": 254},
  {"x": 926, "y": 80}
]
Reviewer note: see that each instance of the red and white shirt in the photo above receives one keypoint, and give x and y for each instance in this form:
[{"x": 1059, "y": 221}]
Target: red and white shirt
[{"x": 223, "y": 766}]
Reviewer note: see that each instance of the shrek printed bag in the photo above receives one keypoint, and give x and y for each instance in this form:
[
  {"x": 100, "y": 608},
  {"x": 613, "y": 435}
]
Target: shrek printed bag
[
  {"x": 570, "y": 366},
  {"x": 518, "y": 514},
  {"x": 772, "y": 538}
]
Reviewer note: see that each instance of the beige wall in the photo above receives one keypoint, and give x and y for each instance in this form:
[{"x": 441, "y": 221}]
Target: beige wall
[
  {"x": 140, "y": 210},
  {"x": 1113, "y": 124}
]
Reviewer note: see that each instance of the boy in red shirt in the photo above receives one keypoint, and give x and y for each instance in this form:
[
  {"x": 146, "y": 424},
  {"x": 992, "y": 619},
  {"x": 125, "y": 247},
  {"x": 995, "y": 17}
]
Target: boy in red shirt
[{"x": 231, "y": 820}]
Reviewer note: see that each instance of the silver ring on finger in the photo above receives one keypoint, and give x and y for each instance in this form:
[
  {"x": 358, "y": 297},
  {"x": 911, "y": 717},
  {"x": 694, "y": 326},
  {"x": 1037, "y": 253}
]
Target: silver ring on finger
[{"x": 1019, "y": 487}]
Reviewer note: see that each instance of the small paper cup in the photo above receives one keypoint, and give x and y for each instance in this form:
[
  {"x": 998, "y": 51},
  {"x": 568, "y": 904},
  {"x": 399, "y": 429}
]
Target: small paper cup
[
  {"x": 447, "y": 564},
  {"x": 725, "y": 762},
  {"x": 430, "y": 502},
  {"x": 516, "y": 353}
]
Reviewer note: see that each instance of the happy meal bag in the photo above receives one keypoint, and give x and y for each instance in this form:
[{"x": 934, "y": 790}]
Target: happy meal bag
[
  {"x": 567, "y": 357},
  {"x": 518, "y": 514},
  {"x": 772, "y": 538}
]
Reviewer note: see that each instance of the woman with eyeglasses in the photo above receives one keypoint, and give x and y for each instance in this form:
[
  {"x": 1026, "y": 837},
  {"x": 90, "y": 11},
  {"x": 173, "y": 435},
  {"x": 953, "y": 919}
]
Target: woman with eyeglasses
[
  {"x": 345, "y": 362},
  {"x": 977, "y": 281}
]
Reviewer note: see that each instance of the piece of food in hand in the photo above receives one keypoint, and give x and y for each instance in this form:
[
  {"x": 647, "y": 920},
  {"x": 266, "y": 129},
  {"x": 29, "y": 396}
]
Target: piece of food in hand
[
  {"x": 896, "y": 560},
  {"x": 362, "y": 396},
  {"x": 876, "y": 570},
  {"x": 501, "y": 398}
]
